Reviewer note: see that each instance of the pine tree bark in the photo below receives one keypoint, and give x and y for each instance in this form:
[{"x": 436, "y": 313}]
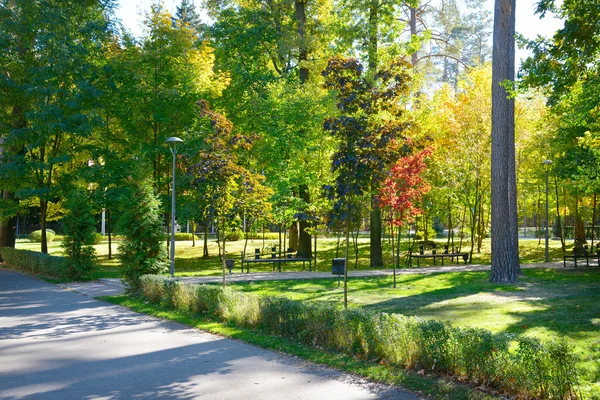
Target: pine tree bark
[{"x": 505, "y": 245}]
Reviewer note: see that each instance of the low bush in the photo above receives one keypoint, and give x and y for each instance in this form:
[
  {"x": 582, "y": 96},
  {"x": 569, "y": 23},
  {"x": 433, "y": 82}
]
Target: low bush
[
  {"x": 36, "y": 236},
  {"x": 35, "y": 262},
  {"x": 183, "y": 236},
  {"x": 259, "y": 235},
  {"x": 98, "y": 238},
  {"x": 516, "y": 366},
  {"x": 233, "y": 236}
]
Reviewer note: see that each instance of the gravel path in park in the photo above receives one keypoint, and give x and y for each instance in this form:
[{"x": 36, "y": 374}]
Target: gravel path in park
[{"x": 59, "y": 344}]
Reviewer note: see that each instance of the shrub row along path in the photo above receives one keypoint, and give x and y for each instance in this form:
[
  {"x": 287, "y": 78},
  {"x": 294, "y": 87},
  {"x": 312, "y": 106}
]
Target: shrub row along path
[
  {"x": 59, "y": 344},
  {"x": 113, "y": 286}
]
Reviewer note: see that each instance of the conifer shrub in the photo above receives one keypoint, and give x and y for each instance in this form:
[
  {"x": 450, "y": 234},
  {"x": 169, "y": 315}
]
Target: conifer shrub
[
  {"x": 142, "y": 250},
  {"x": 79, "y": 235}
]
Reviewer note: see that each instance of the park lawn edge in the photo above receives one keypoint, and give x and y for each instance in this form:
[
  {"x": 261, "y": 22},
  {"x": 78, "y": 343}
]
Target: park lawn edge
[{"x": 428, "y": 385}]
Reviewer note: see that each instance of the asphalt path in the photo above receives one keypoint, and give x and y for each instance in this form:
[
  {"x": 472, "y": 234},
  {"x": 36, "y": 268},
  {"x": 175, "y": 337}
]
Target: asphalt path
[{"x": 59, "y": 344}]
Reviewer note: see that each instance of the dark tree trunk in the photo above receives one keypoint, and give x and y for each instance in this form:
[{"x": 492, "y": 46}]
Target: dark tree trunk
[
  {"x": 304, "y": 238},
  {"x": 8, "y": 227},
  {"x": 413, "y": 31},
  {"x": 193, "y": 233},
  {"x": 43, "y": 214},
  {"x": 593, "y": 221},
  {"x": 302, "y": 51},
  {"x": 109, "y": 234},
  {"x": 376, "y": 253},
  {"x": 505, "y": 244},
  {"x": 205, "y": 247},
  {"x": 293, "y": 236},
  {"x": 373, "y": 33},
  {"x": 579, "y": 233},
  {"x": 558, "y": 219}
]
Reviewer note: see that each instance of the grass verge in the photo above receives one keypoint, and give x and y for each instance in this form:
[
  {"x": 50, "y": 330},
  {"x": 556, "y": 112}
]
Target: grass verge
[{"x": 422, "y": 385}]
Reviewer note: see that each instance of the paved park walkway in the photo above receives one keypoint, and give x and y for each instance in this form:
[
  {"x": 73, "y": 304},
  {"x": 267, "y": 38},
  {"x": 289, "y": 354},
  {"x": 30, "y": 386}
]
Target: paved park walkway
[
  {"x": 113, "y": 286},
  {"x": 59, "y": 344}
]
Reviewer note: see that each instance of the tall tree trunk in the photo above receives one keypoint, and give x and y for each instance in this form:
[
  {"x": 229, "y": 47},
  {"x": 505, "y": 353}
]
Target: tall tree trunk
[
  {"x": 346, "y": 264},
  {"x": 539, "y": 218},
  {"x": 109, "y": 234},
  {"x": 462, "y": 227},
  {"x": 413, "y": 31},
  {"x": 205, "y": 247},
  {"x": 593, "y": 222},
  {"x": 304, "y": 237},
  {"x": 558, "y": 219},
  {"x": 449, "y": 222},
  {"x": 293, "y": 236},
  {"x": 193, "y": 223},
  {"x": 8, "y": 227},
  {"x": 355, "y": 240},
  {"x": 224, "y": 257},
  {"x": 579, "y": 226},
  {"x": 43, "y": 214},
  {"x": 376, "y": 250},
  {"x": 373, "y": 33},
  {"x": 505, "y": 243},
  {"x": 302, "y": 51}
]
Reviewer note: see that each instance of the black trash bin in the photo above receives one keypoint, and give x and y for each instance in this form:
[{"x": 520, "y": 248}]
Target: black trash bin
[
  {"x": 337, "y": 266},
  {"x": 229, "y": 263}
]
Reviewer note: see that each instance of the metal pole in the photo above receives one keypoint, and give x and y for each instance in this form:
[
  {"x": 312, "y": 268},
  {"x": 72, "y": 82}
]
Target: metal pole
[
  {"x": 547, "y": 259},
  {"x": 174, "y": 152}
]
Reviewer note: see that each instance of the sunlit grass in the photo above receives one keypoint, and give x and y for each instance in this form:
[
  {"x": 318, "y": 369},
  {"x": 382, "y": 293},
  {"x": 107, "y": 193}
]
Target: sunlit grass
[
  {"x": 549, "y": 304},
  {"x": 190, "y": 262}
]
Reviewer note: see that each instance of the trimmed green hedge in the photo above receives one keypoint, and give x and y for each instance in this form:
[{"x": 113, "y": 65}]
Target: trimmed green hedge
[
  {"x": 183, "y": 236},
  {"x": 514, "y": 365},
  {"x": 35, "y": 262}
]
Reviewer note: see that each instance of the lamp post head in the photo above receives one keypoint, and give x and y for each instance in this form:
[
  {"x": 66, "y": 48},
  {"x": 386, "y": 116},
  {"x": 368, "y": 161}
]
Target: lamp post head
[
  {"x": 173, "y": 141},
  {"x": 547, "y": 162}
]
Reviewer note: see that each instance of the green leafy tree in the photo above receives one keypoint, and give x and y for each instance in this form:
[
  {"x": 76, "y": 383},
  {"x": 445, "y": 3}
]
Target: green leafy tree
[
  {"x": 51, "y": 58},
  {"x": 217, "y": 173},
  {"x": 368, "y": 142}
]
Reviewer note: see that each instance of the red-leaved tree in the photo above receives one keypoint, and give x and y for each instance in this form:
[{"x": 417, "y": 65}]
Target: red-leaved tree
[{"x": 401, "y": 193}]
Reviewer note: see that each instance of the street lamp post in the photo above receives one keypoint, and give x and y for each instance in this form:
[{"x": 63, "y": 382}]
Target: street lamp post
[
  {"x": 173, "y": 143},
  {"x": 546, "y": 164}
]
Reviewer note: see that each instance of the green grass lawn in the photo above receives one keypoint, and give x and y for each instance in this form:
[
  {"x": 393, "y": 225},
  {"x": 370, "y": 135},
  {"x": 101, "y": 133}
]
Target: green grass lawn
[
  {"x": 548, "y": 304},
  {"x": 189, "y": 260}
]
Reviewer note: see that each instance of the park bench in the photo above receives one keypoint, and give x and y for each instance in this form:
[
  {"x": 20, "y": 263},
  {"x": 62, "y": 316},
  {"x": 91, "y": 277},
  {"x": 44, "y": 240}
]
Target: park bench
[
  {"x": 435, "y": 255},
  {"x": 289, "y": 257},
  {"x": 582, "y": 253}
]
